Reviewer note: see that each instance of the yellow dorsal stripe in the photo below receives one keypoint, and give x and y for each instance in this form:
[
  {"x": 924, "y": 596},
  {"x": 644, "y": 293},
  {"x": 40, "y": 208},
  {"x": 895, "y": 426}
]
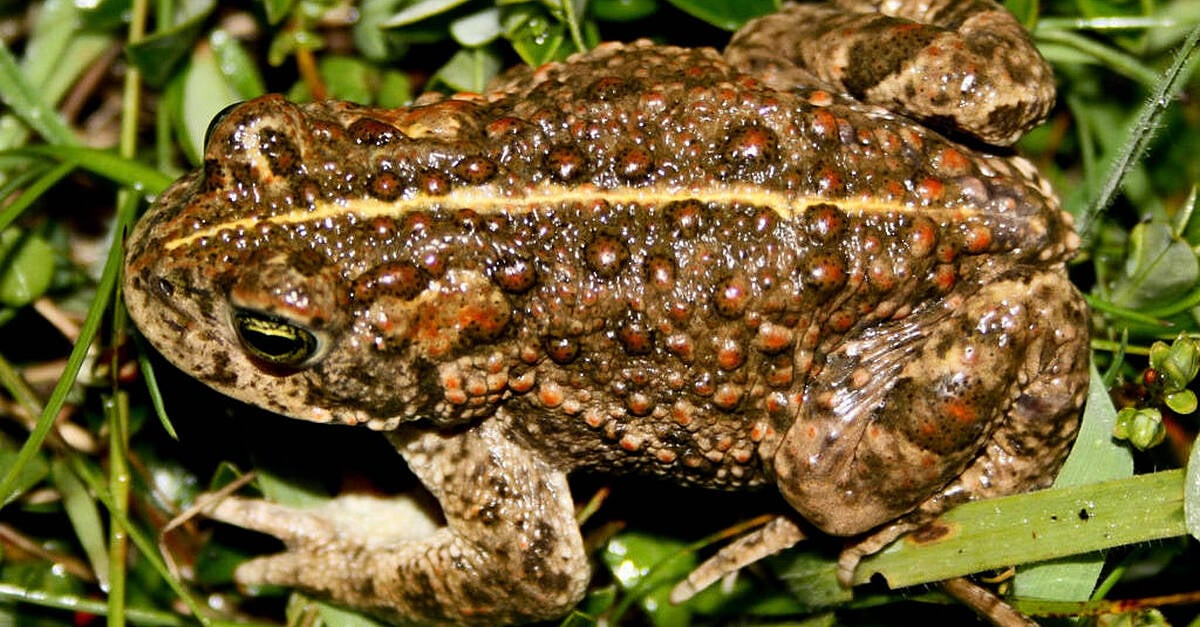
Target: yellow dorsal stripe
[{"x": 486, "y": 200}]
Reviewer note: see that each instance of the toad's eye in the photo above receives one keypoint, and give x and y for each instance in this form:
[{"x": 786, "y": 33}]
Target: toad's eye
[
  {"x": 218, "y": 119},
  {"x": 275, "y": 340}
]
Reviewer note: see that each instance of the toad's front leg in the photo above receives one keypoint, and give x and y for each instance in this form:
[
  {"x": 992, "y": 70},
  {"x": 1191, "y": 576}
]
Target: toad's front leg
[{"x": 510, "y": 551}]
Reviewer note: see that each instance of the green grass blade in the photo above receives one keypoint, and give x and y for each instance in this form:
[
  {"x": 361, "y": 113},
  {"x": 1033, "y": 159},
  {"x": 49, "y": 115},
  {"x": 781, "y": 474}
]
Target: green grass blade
[
  {"x": 148, "y": 549},
  {"x": 127, "y": 172},
  {"x": 146, "y": 367},
  {"x": 26, "y": 102},
  {"x": 84, "y": 516},
  {"x": 58, "y": 397},
  {"x": 35, "y": 190},
  {"x": 72, "y": 603},
  {"x": 1027, "y": 528},
  {"x": 1142, "y": 131}
]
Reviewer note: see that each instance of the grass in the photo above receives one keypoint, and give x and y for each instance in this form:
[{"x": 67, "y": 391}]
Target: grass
[{"x": 104, "y": 106}]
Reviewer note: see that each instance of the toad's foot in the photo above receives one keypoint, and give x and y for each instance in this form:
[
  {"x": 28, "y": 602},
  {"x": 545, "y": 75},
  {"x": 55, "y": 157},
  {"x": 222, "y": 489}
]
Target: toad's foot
[
  {"x": 510, "y": 550},
  {"x": 381, "y": 521},
  {"x": 778, "y": 534}
]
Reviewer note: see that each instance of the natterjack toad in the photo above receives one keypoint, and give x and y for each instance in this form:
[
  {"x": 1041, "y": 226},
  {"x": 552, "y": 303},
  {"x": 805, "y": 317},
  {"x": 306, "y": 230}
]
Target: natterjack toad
[{"x": 730, "y": 271}]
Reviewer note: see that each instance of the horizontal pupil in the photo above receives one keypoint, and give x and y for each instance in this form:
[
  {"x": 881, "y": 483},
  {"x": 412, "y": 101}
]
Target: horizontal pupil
[{"x": 274, "y": 339}]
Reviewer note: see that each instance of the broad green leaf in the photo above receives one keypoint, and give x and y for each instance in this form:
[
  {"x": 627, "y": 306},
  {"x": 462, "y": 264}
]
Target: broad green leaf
[
  {"x": 726, "y": 15},
  {"x": 1160, "y": 267},
  {"x": 648, "y": 566},
  {"x": 622, "y": 10},
  {"x": 236, "y": 65},
  {"x": 422, "y": 10},
  {"x": 277, "y": 10},
  {"x": 372, "y": 38},
  {"x": 204, "y": 91},
  {"x": 597, "y": 602},
  {"x": 158, "y": 55},
  {"x": 812, "y": 578},
  {"x": 1026, "y": 11},
  {"x": 478, "y": 28},
  {"x": 339, "y": 617},
  {"x": 1191, "y": 492},
  {"x": 97, "y": 15},
  {"x": 469, "y": 70},
  {"x": 26, "y": 267},
  {"x": 535, "y": 36},
  {"x": 395, "y": 90},
  {"x": 348, "y": 78},
  {"x": 1094, "y": 457}
]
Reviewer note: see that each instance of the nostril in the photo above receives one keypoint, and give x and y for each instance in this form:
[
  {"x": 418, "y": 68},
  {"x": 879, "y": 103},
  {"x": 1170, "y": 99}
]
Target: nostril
[{"x": 165, "y": 287}]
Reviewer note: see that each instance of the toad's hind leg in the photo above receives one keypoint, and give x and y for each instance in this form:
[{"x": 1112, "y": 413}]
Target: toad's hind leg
[
  {"x": 977, "y": 397},
  {"x": 963, "y": 65}
]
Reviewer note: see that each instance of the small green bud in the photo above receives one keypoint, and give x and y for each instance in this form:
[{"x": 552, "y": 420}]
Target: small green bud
[
  {"x": 1143, "y": 428},
  {"x": 1178, "y": 364}
]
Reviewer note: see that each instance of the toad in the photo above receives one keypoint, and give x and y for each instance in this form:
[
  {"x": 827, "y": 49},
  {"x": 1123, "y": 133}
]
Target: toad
[{"x": 806, "y": 263}]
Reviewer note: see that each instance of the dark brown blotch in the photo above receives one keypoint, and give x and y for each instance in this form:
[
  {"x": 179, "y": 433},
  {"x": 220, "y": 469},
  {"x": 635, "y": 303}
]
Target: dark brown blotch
[
  {"x": 400, "y": 280},
  {"x": 930, "y": 533},
  {"x": 825, "y": 272},
  {"x": 280, "y": 151},
  {"x": 885, "y": 47},
  {"x": 731, "y": 296},
  {"x": 824, "y": 222},
  {"x": 605, "y": 255},
  {"x": 307, "y": 262},
  {"x": 386, "y": 186},
  {"x": 483, "y": 325},
  {"x": 383, "y": 227},
  {"x": 307, "y": 191},
  {"x": 635, "y": 334},
  {"x": 921, "y": 237},
  {"x": 610, "y": 88},
  {"x": 686, "y": 216},
  {"x": 434, "y": 262},
  {"x": 466, "y": 219},
  {"x": 750, "y": 145},
  {"x": 514, "y": 275},
  {"x": 216, "y": 175},
  {"x": 433, "y": 183},
  {"x": 565, "y": 163},
  {"x": 634, "y": 164},
  {"x": 561, "y": 350},
  {"x": 475, "y": 170},
  {"x": 372, "y": 132},
  {"x": 660, "y": 272}
]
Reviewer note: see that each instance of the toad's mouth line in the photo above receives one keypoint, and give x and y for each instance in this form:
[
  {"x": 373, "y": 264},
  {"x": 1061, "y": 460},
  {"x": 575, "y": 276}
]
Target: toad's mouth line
[{"x": 490, "y": 200}]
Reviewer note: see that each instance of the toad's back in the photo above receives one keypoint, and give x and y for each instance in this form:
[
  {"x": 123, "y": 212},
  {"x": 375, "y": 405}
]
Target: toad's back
[
  {"x": 640, "y": 259},
  {"x": 646, "y": 252}
]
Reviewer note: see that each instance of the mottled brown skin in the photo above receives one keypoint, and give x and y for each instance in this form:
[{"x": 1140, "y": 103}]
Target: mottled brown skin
[{"x": 644, "y": 259}]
